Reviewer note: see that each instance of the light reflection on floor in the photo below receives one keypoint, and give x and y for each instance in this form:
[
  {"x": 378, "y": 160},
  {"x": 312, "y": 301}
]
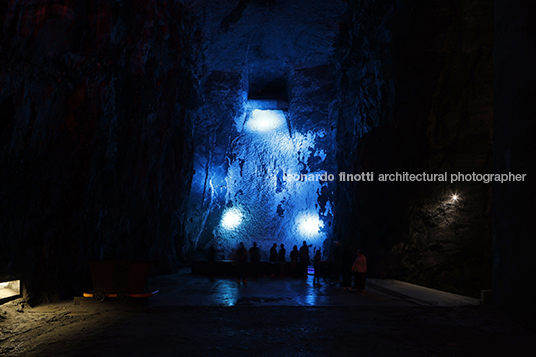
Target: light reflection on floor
[
  {"x": 227, "y": 291},
  {"x": 184, "y": 289},
  {"x": 279, "y": 291},
  {"x": 191, "y": 290}
]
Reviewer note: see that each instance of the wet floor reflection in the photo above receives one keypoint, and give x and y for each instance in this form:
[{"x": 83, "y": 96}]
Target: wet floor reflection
[
  {"x": 227, "y": 293},
  {"x": 310, "y": 298},
  {"x": 284, "y": 292},
  {"x": 191, "y": 290}
]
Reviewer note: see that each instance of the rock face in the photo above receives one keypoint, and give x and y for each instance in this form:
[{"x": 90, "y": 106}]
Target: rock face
[
  {"x": 244, "y": 188},
  {"x": 98, "y": 102},
  {"x": 444, "y": 125},
  {"x": 365, "y": 91},
  {"x": 416, "y": 96},
  {"x": 513, "y": 136}
]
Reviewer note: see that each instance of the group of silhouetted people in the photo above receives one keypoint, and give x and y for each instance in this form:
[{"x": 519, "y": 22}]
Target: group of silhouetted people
[
  {"x": 299, "y": 260},
  {"x": 348, "y": 263}
]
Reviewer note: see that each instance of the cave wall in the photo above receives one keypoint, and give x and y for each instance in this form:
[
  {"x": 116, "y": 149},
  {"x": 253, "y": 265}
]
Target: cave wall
[
  {"x": 422, "y": 74},
  {"x": 514, "y": 129},
  {"x": 249, "y": 45},
  {"x": 443, "y": 123},
  {"x": 365, "y": 93},
  {"x": 98, "y": 102}
]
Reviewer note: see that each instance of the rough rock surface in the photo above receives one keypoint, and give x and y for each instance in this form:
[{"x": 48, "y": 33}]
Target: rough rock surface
[
  {"x": 251, "y": 45},
  {"x": 422, "y": 74},
  {"x": 98, "y": 103}
]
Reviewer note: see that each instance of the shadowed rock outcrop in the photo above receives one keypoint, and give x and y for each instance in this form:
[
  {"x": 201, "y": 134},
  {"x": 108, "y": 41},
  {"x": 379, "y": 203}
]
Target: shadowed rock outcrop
[{"x": 96, "y": 135}]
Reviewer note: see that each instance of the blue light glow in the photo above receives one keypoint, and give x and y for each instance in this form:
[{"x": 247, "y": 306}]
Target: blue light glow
[
  {"x": 265, "y": 120},
  {"x": 309, "y": 225},
  {"x": 260, "y": 204},
  {"x": 231, "y": 218}
]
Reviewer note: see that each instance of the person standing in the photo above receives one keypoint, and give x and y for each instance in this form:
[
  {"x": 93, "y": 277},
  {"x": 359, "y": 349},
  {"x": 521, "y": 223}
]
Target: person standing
[
  {"x": 304, "y": 258},
  {"x": 337, "y": 259},
  {"x": 273, "y": 253},
  {"x": 273, "y": 259},
  {"x": 360, "y": 271},
  {"x": 281, "y": 259},
  {"x": 294, "y": 256},
  {"x": 255, "y": 257}
]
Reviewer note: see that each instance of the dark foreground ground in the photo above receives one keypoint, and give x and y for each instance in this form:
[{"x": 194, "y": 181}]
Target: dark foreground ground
[{"x": 375, "y": 325}]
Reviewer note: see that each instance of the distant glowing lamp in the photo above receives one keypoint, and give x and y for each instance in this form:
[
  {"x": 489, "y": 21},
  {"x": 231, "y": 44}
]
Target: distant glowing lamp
[
  {"x": 455, "y": 197},
  {"x": 231, "y": 218},
  {"x": 309, "y": 225},
  {"x": 9, "y": 290},
  {"x": 265, "y": 120}
]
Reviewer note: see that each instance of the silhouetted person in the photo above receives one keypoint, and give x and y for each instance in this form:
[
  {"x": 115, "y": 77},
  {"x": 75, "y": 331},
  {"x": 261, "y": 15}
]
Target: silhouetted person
[
  {"x": 360, "y": 271},
  {"x": 304, "y": 253},
  {"x": 304, "y": 258},
  {"x": 255, "y": 257},
  {"x": 281, "y": 259},
  {"x": 273, "y": 253},
  {"x": 294, "y": 256},
  {"x": 273, "y": 258},
  {"x": 336, "y": 259},
  {"x": 316, "y": 263},
  {"x": 348, "y": 259},
  {"x": 241, "y": 261}
]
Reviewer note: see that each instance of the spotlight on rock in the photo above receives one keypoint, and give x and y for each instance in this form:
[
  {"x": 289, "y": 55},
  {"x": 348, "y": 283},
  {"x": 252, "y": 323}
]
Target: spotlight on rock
[
  {"x": 265, "y": 120},
  {"x": 309, "y": 225},
  {"x": 231, "y": 218}
]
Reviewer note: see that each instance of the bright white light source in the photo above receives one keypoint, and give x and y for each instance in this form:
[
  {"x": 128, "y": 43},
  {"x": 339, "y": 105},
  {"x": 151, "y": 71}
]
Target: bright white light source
[
  {"x": 9, "y": 289},
  {"x": 309, "y": 225},
  {"x": 455, "y": 197},
  {"x": 231, "y": 218},
  {"x": 265, "y": 120}
]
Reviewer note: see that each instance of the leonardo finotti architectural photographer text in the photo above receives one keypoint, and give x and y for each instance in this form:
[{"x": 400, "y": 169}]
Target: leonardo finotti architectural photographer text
[{"x": 406, "y": 177}]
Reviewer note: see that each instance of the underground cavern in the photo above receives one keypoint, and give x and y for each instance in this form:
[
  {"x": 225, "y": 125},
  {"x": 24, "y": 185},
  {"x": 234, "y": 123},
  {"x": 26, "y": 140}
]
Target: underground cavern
[{"x": 152, "y": 130}]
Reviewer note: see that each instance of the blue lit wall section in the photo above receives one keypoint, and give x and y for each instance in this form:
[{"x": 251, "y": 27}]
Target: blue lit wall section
[
  {"x": 265, "y": 121},
  {"x": 264, "y": 204},
  {"x": 309, "y": 225},
  {"x": 241, "y": 156}
]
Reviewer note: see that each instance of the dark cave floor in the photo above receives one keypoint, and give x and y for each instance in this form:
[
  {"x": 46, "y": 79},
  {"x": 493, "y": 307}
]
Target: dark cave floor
[{"x": 198, "y": 316}]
